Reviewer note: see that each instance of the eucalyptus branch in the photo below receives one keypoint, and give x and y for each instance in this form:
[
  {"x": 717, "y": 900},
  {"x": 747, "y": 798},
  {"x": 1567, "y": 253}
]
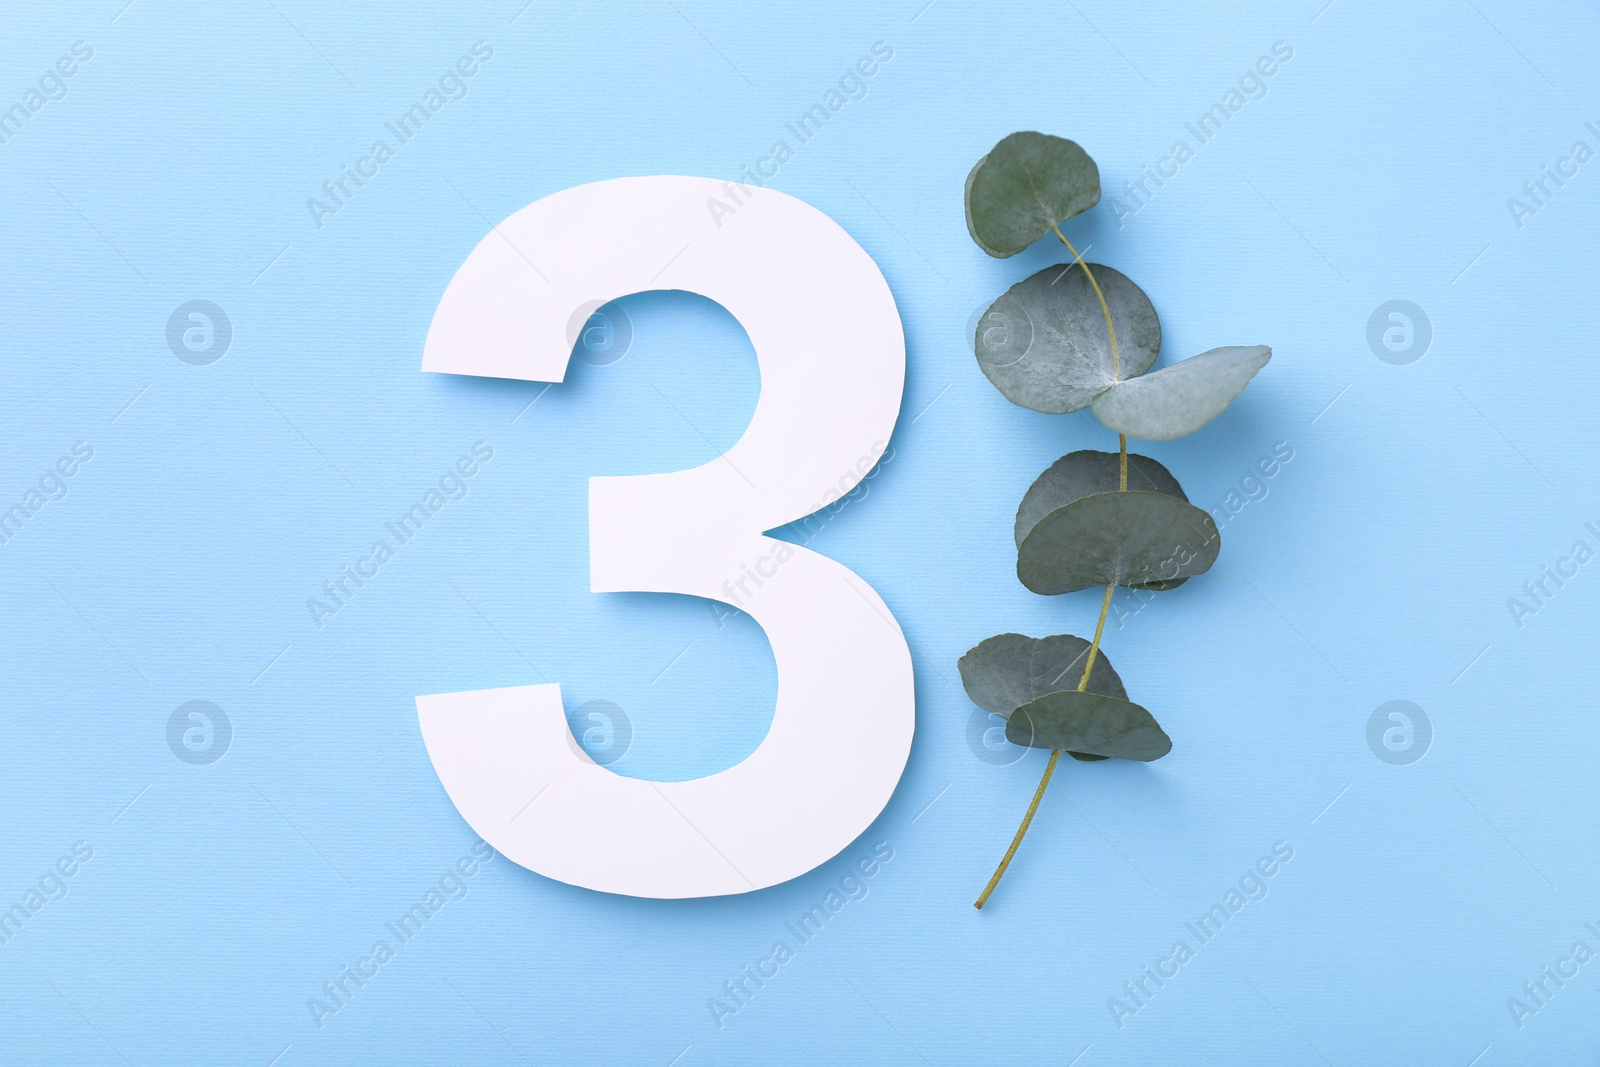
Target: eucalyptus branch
[
  {"x": 1079, "y": 526},
  {"x": 1050, "y": 765}
]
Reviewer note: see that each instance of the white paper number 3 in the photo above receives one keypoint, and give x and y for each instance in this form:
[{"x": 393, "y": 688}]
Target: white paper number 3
[{"x": 831, "y": 353}]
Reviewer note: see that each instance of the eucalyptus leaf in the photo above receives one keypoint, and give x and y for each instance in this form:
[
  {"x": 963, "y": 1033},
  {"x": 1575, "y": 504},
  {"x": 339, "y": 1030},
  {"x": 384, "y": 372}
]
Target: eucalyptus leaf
[
  {"x": 1179, "y": 399},
  {"x": 1006, "y": 671},
  {"x": 1091, "y": 723},
  {"x": 1027, "y": 184},
  {"x": 1078, "y": 474},
  {"x": 1044, "y": 342},
  {"x": 1131, "y": 538}
]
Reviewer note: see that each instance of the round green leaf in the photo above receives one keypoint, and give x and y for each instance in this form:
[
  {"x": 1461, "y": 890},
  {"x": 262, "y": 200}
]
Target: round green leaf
[
  {"x": 1027, "y": 184},
  {"x": 1179, "y": 399},
  {"x": 1078, "y": 474},
  {"x": 1133, "y": 538},
  {"x": 1006, "y": 671},
  {"x": 1044, "y": 343},
  {"x": 1091, "y": 723}
]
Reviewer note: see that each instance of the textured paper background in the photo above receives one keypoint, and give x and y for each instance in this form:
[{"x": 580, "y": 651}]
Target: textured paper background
[{"x": 1377, "y": 567}]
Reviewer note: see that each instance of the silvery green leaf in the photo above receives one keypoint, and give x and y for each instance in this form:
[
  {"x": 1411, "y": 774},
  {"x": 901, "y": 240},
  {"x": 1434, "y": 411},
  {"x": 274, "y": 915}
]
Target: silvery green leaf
[
  {"x": 1006, "y": 671},
  {"x": 1090, "y": 723},
  {"x": 1078, "y": 474},
  {"x": 1132, "y": 538},
  {"x": 1027, "y": 184},
  {"x": 1044, "y": 342},
  {"x": 1179, "y": 399}
]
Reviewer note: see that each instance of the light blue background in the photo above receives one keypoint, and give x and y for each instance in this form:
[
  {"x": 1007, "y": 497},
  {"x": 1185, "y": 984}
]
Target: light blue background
[{"x": 1378, "y": 567}]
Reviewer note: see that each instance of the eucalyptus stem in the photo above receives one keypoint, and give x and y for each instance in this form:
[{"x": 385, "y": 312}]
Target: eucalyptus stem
[
  {"x": 1116, "y": 366},
  {"x": 1116, "y": 363},
  {"x": 1099, "y": 629},
  {"x": 1022, "y": 831},
  {"x": 1055, "y": 756},
  {"x": 1105, "y": 603}
]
